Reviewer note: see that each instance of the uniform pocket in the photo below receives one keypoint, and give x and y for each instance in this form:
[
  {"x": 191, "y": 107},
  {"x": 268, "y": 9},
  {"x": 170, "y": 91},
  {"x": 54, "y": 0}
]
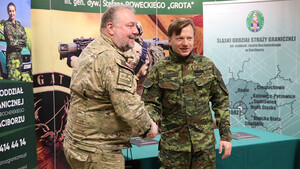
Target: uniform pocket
[
  {"x": 212, "y": 155},
  {"x": 203, "y": 81},
  {"x": 202, "y": 87},
  {"x": 168, "y": 85},
  {"x": 171, "y": 96}
]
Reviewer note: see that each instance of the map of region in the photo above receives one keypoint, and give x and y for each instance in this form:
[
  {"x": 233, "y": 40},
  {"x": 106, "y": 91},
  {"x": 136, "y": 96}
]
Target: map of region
[{"x": 269, "y": 106}]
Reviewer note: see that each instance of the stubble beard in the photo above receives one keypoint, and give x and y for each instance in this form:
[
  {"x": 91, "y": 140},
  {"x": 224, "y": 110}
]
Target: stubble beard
[{"x": 126, "y": 45}]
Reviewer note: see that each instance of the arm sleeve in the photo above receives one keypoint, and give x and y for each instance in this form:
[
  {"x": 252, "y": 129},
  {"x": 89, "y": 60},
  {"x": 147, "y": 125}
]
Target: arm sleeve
[
  {"x": 152, "y": 95},
  {"x": 120, "y": 82},
  {"x": 23, "y": 38},
  {"x": 220, "y": 104}
]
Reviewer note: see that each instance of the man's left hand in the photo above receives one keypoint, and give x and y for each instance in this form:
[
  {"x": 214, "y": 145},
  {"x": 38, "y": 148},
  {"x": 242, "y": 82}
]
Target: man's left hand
[{"x": 227, "y": 148}]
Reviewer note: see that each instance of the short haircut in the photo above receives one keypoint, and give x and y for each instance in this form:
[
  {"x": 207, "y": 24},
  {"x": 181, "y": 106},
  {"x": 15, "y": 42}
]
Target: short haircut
[
  {"x": 110, "y": 14},
  {"x": 178, "y": 24},
  {"x": 11, "y": 4}
]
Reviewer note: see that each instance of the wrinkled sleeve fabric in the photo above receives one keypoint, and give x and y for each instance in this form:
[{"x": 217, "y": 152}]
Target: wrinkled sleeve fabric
[
  {"x": 120, "y": 83},
  {"x": 220, "y": 104},
  {"x": 152, "y": 95}
]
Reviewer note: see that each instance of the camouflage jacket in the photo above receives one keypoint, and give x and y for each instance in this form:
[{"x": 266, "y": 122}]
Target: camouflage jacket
[
  {"x": 180, "y": 89},
  {"x": 104, "y": 104},
  {"x": 15, "y": 36}
]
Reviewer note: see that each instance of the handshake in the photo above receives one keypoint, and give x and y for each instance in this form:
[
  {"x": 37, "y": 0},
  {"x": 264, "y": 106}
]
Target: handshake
[{"x": 151, "y": 133}]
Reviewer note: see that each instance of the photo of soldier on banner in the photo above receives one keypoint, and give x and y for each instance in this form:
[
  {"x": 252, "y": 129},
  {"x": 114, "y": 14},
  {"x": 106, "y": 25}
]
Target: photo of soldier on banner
[{"x": 15, "y": 40}]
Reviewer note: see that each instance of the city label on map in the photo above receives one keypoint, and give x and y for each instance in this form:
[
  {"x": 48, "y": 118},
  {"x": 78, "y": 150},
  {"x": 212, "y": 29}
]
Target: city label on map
[{"x": 258, "y": 103}]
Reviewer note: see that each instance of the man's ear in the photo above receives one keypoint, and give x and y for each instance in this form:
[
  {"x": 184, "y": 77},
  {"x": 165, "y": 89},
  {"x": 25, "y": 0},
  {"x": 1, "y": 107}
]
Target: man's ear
[{"x": 110, "y": 28}]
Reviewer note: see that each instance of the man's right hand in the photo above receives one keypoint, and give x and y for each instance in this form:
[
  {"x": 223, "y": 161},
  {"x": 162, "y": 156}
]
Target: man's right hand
[{"x": 153, "y": 131}]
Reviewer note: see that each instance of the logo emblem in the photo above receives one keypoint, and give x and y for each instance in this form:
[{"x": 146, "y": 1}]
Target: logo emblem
[{"x": 255, "y": 21}]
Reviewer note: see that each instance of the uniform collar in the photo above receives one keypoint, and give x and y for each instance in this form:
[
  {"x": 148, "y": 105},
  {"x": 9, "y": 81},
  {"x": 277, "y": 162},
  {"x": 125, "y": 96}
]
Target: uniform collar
[{"x": 179, "y": 58}]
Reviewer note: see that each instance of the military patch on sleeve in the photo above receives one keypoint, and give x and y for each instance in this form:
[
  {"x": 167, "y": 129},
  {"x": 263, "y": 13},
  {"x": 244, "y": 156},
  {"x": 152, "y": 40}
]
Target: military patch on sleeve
[
  {"x": 125, "y": 77},
  {"x": 147, "y": 83},
  {"x": 222, "y": 84}
]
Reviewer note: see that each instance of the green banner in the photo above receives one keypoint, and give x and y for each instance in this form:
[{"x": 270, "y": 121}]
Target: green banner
[
  {"x": 17, "y": 125},
  {"x": 40, "y": 4},
  {"x": 167, "y": 7}
]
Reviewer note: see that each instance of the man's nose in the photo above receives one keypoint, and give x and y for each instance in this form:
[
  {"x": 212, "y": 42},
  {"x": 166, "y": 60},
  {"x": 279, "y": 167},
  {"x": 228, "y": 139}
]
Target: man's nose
[
  {"x": 185, "y": 41},
  {"x": 135, "y": 30}
]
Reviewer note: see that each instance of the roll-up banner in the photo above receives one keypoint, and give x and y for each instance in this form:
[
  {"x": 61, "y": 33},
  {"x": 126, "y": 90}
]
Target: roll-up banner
[
  {"x": 17, "y": 124},
  {"x": 256, "y": 44}
]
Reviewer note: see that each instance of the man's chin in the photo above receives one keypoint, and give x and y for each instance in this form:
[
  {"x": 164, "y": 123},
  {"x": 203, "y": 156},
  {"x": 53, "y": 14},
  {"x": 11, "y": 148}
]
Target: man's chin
[
  {"x": 127, "y": 47},
  {"x": 184, "y": 54},
  {"x": 131, "y": 42},
  {"x": 130, "y": 46}
]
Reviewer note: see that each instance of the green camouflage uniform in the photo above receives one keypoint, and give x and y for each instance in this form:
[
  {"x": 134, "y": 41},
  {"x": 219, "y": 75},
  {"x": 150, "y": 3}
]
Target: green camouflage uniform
[
  {"x": 104, "y": 108},
  {"x": 180, "y": 89},
  {"x": 16, "y": 38}
]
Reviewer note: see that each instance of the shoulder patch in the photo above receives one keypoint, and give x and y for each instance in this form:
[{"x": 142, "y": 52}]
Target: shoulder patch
[
  {"x": 125, "y": 77},
  {"x": 147, "y": 83},
  {"x": 220, "y": 79},
  {"x": 125, "y": 74}
]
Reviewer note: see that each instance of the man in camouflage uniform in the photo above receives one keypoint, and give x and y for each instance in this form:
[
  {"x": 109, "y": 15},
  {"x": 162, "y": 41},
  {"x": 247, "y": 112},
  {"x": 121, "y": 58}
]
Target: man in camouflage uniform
[
  {"x": 16, "y": 38},
  {"x": 180, "y": 88},
  {"x": 104, "y": 106}
]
